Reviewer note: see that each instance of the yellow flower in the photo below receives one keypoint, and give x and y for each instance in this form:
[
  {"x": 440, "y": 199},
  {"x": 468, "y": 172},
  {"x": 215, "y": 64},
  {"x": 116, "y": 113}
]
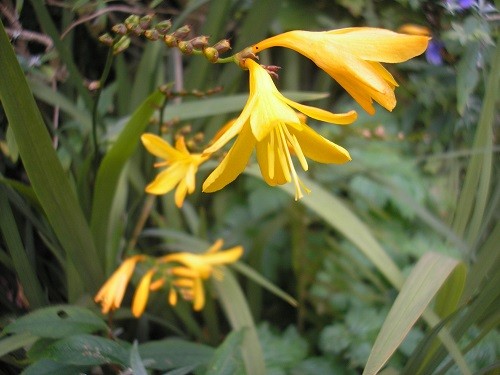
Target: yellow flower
[
  {"x": 142, "y": 293},
  {"x": 352, "y": 57},
  {"x": 182, "y": 167},
  {"x": 270, "y": 124},
  {"x": 111, "y": 293},
  {"x": 194, "y": 268}
]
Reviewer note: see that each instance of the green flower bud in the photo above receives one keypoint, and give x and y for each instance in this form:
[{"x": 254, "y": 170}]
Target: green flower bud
[
  {"x": 170, "y": 40},
  {"x": 131, "y": 22},
  {"x": 182, "y": 32},
  {"x": 106, "y": 39},
  {"x": 163, "y": 26},
  {"x": 199, "y": 42},
  {"x": 211, "y": 54},
  {"x": 222, "y": 46},
  {"x": 152, "y": 34},
  {"x": 120, "y": 28},
  {"x": 121, "y": 45},
  {"x": 185, "y": 47}
]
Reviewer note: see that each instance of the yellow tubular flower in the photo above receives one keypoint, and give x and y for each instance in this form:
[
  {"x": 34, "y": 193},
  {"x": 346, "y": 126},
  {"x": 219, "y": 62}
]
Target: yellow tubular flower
[
  {"x": 182, "y": 167},
  {"x": 111, "y": 294},
  {"x": 203, "y": 264},
  {"x": 270, "y": 124},
  {"x": 352, "y": 57}
]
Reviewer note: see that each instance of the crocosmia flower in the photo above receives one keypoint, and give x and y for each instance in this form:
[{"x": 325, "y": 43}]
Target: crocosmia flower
[
  {"x": 110, "y": 296},
  {"x": 181, "y": 167},
  {"x": 270, "y": 124},
  {"x": 352, "y": 57}
]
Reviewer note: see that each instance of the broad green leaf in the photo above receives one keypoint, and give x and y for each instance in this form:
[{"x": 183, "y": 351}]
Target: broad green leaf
[
  {"x": 174, "y": 353},
  {"x": 44, "y": 169},
  {"x": 425, "y": 280},
  {"x": 227, "y": 358},
  {"x": 58, "y": 321},
  {"x": 86, "y": 350},
  {"x": 15, "y": 342},
  {"x": 111, "y": 169},
  {"x": 450, "y": 293},
  {"x": 238, "y": 313}
]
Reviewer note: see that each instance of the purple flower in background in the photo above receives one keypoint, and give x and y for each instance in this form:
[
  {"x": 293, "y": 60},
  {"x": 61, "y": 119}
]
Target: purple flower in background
[
  {"x": 466, "y": 4},
  {"x": 433, "y": 53}
]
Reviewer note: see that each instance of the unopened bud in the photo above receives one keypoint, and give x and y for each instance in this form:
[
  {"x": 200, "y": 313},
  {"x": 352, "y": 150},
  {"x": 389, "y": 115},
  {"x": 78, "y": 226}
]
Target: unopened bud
[
  {"x": 145, "y": 21},
  {"x": 106, "y": 39},
  {"x": 185, "y": 47},
  {"x": 131, "y": 22},
  {"x": 121, "y": 45},
  {"x": 163, "y": 26},
  {"x": 170, "y": 40},
  {"x": 211, "y": 54},
  {"x": 120, "y": 28},
  {"x": 152, "y": 34},
  {"x": 94, "y": 85},
  {"x": 199, "y": 42},
  {"x": 222, "y": 46},
  {"x": 240, "y": 57},
  {"x": 137, "y": 30},
  {"x": 182, "y": 32}
]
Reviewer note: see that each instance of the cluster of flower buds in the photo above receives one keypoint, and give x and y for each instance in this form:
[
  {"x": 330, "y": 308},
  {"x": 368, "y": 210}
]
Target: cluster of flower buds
[{"x": 142, "y": 26}]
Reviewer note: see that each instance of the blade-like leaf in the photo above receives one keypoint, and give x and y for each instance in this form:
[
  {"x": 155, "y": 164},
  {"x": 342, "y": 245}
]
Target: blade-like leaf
[
  {"x": 24, "y": 269},
  {"x": 422, "y": 285},
  {"x": 44, "y": 169},
  {"x": 238, "y": 313},
  {"x": 111, "y": 168},
  {"x": 227, "y": 358}
]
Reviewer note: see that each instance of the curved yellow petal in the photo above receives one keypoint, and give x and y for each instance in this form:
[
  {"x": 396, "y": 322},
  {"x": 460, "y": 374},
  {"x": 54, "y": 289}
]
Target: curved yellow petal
[
  {"x": 180, "y": 193},
  {"x": 320, "y": 149},
  {"x": 375, "y": 44},
  {"x": 322, "y": 115},
  {"x": 166, "y": 180},
  {"x": 199, "y": 295},
  {"x": 224, "y": 257},
  {"x": 233, "y": 163},
  {"x": 233, "y": 129},
  {"x": 142, "y": 293},
  {"x": 159, "y": 147}
]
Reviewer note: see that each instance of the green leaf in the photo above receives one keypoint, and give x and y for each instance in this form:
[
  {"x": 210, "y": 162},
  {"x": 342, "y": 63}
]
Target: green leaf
[
  {"x": 110, "y": 171},
  {"x": 48, "y": 367},
  {"x": 467, "y": 75},
  {"x": 216, "y": 106},
  {"x": 86, "y": 350},
  {"x": 227, "y": 358},
  {"x": 238, "y": 313},
  {"x": 425, "y": 280},
  {"x": 174, "y": 353},
  {"x": 136, "y": 362},
  {"x": 44, "y": 169},
  {"x": 14, "y": 342},
  {"x": 58, "y": 321},
  {"x": 23, "y": 266},
  {"x": 340, "y": 217}
]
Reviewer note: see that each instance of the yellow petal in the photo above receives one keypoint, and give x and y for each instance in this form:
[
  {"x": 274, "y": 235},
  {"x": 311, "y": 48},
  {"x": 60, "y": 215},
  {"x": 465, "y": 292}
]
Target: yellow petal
[
  {"x": 180, "y": 193},
  {"x": 142, "y": 293},
  {"x": 159, "y": 147},
  {"x": 269, "y": 162},
  {"x": 233, "y": 129},
  {"x": 376, "y": 44},
  {"x": 233, "y": 163},
  {"x": 167, "y": 179},
  {"x": 319, "y": 148},
  {"x": 224, "y": 257},
  {"x": 199, "y": 295},
  {"x": 322, "y": 115}
]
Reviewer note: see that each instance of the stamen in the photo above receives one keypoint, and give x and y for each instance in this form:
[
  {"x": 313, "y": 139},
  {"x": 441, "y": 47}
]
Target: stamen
[
  {"x": 291, "y": 167},
  {"x": 161, "y": 164},
  {"x": 294, "y": 143}
]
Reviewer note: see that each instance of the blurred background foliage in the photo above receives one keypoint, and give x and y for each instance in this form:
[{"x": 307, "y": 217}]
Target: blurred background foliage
[{"x": 423, "y": 178}]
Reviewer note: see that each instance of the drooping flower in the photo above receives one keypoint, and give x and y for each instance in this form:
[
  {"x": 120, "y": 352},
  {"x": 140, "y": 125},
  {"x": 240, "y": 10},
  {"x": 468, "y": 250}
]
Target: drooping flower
[
  {"x": 353, "y": 57},
  {"x": 270, "y": 124},
  {"x": 110, "y": 296},
  {"x": 194, "y": 268},
  {"x": 181, "y": 167}
]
